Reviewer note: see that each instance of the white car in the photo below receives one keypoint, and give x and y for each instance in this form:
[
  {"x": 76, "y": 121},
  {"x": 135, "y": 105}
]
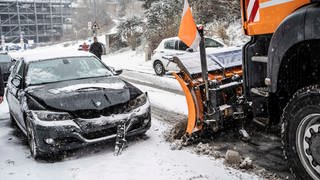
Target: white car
[{"x": 174, "y": 46}]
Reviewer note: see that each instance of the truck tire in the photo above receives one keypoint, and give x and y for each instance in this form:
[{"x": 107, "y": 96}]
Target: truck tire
[{"x": 301, "y": 133}]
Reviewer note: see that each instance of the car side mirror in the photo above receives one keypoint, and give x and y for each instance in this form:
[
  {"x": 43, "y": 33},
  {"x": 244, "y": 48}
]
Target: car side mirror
[
  {"x": 189, "y": 50},
  {"x": 13, "y": 60},
  {"x": 118, "y": 72},
  {"x": 16, "y": 81}
]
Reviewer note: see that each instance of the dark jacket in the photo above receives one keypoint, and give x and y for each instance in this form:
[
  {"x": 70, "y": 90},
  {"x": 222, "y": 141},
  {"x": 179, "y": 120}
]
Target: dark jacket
[
  {"x": 96, "y": 49},
  {"x": 1, "y": 84}
]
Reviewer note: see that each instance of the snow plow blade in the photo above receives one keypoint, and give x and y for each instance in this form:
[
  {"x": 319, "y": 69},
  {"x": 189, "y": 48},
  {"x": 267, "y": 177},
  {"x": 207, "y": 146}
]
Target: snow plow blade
[
  {"x": 191, "y": 105},
  {"x": 225, "y": 83}
]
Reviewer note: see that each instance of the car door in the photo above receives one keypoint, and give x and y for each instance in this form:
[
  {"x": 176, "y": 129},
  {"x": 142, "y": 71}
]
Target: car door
[
  {"x": 16, "y": 93},
  {"x": 170, "y": 48},
  {"x": 180, "y": 48}
]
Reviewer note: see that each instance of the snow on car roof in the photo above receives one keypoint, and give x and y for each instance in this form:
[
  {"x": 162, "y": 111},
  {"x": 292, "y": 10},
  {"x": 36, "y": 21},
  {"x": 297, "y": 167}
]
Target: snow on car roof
[{"x": 31, "y": 56}]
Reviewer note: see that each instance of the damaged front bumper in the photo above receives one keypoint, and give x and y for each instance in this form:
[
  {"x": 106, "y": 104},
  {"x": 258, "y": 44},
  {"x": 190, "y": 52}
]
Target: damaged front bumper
[{"x": 55, "y": 136}]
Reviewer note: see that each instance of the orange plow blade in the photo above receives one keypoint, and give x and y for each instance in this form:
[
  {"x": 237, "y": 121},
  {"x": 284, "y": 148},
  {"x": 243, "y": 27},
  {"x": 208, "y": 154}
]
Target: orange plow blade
[{"x": 191, "y": 105}]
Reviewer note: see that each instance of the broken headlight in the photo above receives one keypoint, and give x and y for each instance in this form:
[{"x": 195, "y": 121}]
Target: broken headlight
[
  {"x": 51, "y": 116},
  {"x": 139, "y": 101}
]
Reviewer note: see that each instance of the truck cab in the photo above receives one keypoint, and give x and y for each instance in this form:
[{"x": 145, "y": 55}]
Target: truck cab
[{"x": 281, "y": 72}]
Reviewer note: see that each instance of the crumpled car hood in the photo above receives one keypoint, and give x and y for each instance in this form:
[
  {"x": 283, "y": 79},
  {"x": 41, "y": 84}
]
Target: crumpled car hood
[{"x": 93, "y": 94}]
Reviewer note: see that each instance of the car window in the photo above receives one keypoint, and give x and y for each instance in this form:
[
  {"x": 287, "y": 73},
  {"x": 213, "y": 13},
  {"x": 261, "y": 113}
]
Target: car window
[
  {"x": 20, "y": 69},
  {"x": 16, "y": 67},
  {"x": 169, "y": 44},
  {"x": 64, "y": 69},
  {"x": 5, "y": 58},
  {"x": 212, "y": 43},
  {"x": 176, "y": 45},
  {"x": 182, "y": 46}
]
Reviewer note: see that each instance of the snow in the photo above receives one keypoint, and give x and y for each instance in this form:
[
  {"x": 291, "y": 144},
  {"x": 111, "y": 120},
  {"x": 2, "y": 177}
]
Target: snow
[
  {"x": 130, "y": 60},
  {"x": 4, "y": 110},
  {"x": 134, "y": 61},
  {"x": 166, "y": 100},
  {"x": 43, "y": 54},
  {"x": 118, "y": 85},
  {"x": 37, "y": 75},
  {"x": 143, "y": 159}
]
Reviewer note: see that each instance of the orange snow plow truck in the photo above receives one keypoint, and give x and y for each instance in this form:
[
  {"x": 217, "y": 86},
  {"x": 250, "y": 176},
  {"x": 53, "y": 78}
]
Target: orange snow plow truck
[{"x": 277, "y": 83}]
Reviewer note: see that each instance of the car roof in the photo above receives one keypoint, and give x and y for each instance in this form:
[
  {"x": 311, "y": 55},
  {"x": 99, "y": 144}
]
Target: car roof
[
  {"x": 4, "y": 53},
  {"x": 177, "y": 38},
  {"x": 29, "y": 57},
  {"x": 172, "y": 38}
]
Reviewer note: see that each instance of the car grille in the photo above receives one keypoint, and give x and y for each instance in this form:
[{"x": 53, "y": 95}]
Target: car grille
[
  {"x": 110, "y": 131},
  {"x": 100, "y": 133},
  {"x": 89, "y": 114}
]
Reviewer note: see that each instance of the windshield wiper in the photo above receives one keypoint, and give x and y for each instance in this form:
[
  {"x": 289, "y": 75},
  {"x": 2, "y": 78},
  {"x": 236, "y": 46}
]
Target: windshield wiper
[
  {"x": 107, "y": 75},
  {"x": 86, "y": 89}
]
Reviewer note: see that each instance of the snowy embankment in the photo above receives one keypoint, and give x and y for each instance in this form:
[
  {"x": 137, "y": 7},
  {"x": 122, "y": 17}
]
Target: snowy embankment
[
  {"x": 134, "y": 61},
  {"x": 147, "y": 158},
  {"x": 129, "y": 60}
]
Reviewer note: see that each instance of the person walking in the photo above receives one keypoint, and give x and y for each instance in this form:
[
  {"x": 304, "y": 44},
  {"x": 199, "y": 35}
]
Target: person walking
[
  {"x": 85, "y": 47},
  {"x": 96, "y": 48},
  {"x": 1, "y": 87}
]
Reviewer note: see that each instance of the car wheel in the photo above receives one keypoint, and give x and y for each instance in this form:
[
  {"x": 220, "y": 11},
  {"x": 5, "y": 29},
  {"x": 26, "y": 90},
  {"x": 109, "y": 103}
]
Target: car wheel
[
  {"x": 32, "y": 141},
  {"x": 301, "y": 133},
  {"x": 159, "y": 68}
]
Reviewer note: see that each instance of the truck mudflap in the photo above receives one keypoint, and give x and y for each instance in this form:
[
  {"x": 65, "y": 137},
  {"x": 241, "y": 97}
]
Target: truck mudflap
[{"x": 225, "y": 89}]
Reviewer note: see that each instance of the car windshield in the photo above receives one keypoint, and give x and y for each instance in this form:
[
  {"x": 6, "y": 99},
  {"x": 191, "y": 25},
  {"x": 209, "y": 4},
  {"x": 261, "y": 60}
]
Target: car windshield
[
  {"x": 63, "y": 69},
  {"x": 4, "y": 58}
]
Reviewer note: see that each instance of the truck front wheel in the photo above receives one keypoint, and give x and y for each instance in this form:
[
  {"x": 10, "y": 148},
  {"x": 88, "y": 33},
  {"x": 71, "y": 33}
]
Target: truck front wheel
[{"x": 301, "y": 133}]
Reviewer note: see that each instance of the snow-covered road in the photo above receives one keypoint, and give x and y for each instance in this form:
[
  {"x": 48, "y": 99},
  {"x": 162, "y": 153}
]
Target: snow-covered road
[{"x": 146, "y": 158}]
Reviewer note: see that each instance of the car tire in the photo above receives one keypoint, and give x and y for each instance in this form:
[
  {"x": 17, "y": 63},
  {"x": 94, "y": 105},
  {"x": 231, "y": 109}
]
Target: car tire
[
  {"x": 301, "y": 133},
  {"x": 159, "y": 68},
  {"x": 32, "y": 141}
]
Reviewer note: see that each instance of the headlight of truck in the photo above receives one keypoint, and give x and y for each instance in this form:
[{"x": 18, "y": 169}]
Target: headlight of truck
[
  {"x": 52, "y": 116},
  {"x": 139, "y": 101}
]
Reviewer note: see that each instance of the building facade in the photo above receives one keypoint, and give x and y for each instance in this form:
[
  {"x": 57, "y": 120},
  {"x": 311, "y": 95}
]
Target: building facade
[{"x": 37, "y": 20}]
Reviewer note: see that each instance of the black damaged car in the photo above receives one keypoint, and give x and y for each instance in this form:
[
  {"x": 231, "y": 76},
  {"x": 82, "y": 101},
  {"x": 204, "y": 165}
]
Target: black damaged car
[{"x": 63, "y": 102}]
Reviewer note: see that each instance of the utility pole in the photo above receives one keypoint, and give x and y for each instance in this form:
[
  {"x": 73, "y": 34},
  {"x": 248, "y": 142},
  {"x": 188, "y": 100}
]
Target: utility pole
[
  {"x": 95, "y": 10},
  {"x": 95, "y": 24}
]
